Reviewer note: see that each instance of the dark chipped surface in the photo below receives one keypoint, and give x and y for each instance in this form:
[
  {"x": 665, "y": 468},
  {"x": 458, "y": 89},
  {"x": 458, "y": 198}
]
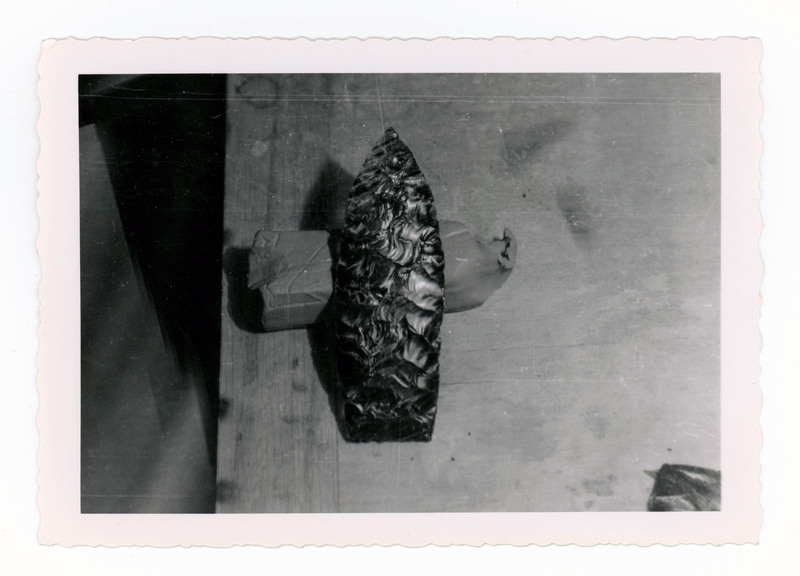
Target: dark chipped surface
[
  {"x": 679, "y": 487},
  {"x": 389, "y": 299}
]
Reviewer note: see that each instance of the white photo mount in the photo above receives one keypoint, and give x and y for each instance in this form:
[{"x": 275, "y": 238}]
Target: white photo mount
[{"x": 736, "y": 61}]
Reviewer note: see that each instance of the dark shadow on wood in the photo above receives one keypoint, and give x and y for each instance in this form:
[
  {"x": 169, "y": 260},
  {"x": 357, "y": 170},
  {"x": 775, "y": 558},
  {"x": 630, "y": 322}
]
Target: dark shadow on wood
[
  {"x": 322, "y": 340},
  {"x": 324, "y": 209},
  {"x": 245, "y": 306}
]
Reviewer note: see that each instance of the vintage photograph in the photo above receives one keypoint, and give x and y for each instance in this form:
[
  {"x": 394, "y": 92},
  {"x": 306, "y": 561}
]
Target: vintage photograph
[
  {"x": 378, "y": 292},
  {"x": 399, "y": 293}
]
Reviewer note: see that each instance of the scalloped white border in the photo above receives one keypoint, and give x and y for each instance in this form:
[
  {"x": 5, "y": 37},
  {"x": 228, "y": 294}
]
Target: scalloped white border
[{"x": 737, "y": 60}]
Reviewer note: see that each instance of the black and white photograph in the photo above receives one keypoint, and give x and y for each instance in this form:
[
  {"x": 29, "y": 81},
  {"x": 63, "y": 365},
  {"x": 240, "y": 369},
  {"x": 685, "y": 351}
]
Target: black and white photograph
[
  {"x": 578, "y": 220},
  {"x": 336, "y": 293}
]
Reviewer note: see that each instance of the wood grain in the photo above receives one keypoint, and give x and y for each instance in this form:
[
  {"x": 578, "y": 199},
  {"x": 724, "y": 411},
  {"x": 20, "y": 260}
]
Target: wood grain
[{"x": 597, "y": 360}]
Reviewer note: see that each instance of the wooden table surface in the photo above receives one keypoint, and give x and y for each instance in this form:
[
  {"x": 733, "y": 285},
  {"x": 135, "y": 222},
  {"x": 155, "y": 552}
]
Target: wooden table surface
[{"x": 598, "y": 359}]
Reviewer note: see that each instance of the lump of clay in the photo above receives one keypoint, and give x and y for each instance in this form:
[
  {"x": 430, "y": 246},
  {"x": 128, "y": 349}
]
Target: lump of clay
[
  {"x": 474, "y": 268},
  {"x": 389, "y": 299}
]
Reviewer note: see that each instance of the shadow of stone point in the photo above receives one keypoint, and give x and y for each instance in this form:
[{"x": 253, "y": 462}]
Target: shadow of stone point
[
  {"x": 324, "y": 209},
  {"x": 325, "y": 204},
  {"x": 322, "y": 341},
  {"x": 245, "y": 306}
]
